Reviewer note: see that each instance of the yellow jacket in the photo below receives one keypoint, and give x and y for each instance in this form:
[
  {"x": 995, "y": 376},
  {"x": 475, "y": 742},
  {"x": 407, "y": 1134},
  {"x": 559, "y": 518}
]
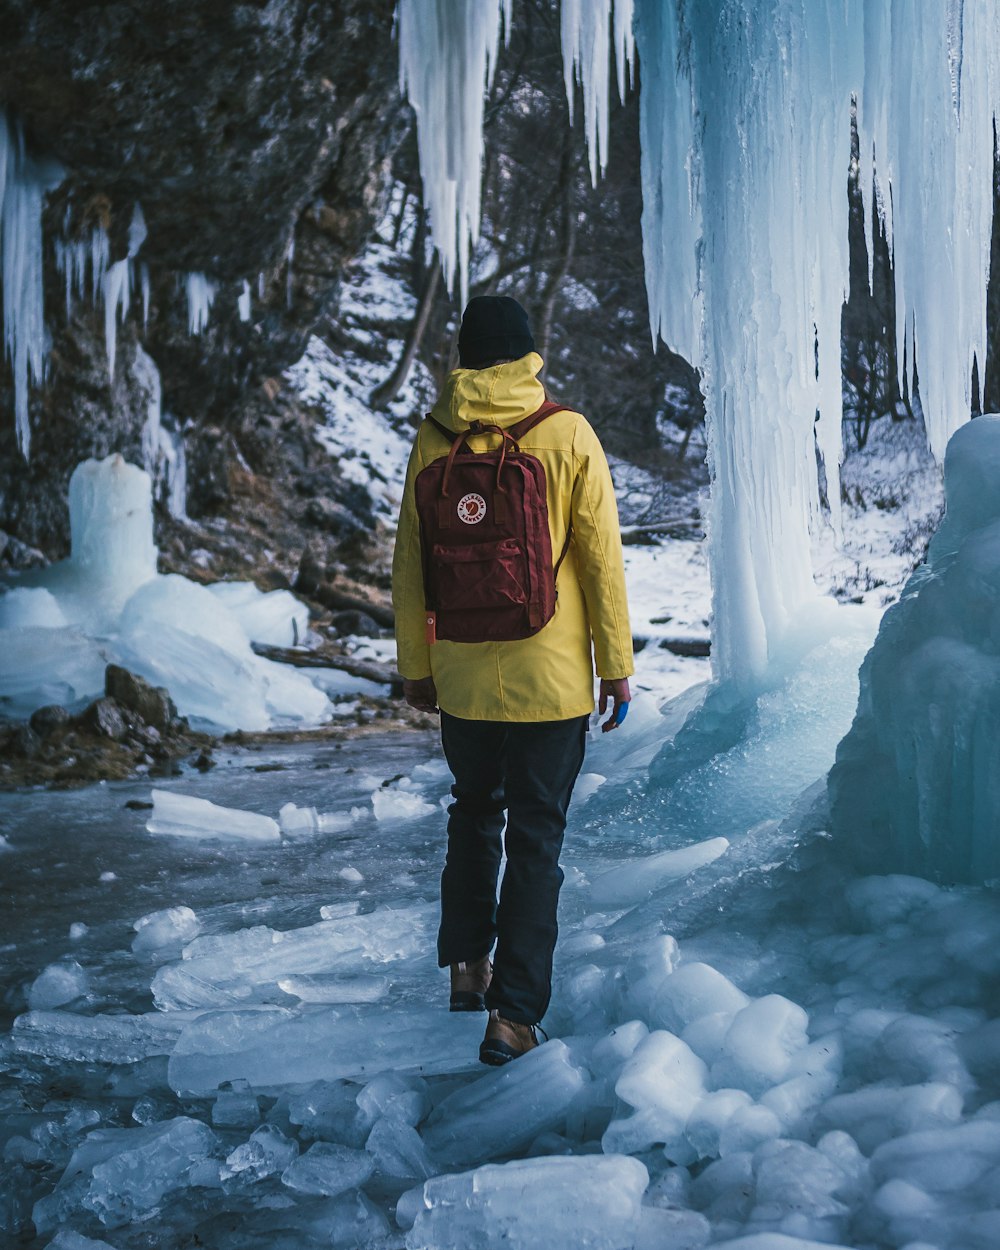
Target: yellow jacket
[{"x": 549, "y": 676}]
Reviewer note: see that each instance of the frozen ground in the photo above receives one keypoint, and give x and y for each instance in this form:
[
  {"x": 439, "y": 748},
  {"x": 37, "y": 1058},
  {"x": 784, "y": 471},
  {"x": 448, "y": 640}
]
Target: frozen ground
[{"x": 748, "y": 1039}]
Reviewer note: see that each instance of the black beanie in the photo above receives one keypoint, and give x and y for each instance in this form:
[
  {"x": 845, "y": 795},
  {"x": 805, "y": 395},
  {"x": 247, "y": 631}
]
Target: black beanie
[{"x": 494, "y": 327}]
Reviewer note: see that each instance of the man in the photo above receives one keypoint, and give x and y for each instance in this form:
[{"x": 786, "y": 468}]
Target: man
[{"x": 514, "y": 714}]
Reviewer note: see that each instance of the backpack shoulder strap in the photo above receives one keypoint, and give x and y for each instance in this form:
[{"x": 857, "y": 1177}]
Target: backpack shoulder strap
[
  {"x": 450, "y": 435},
  {"x": 548, "y": 409}
]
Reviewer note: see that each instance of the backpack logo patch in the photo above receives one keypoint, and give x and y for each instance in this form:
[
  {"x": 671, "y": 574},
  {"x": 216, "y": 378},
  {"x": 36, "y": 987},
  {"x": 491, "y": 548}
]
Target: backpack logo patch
[{"x": 472, "y": 509}]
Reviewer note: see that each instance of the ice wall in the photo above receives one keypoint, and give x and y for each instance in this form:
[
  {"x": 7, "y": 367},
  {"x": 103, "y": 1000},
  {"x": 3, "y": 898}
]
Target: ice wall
[
  {"x": 745, "y": 126},
  {"x": 916, "y": 787},
  {"x": 764, "y": 93}
]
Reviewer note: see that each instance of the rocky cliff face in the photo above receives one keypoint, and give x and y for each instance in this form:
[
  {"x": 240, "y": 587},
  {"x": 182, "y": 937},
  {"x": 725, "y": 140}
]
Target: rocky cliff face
[{"x": 255, "y": 137}]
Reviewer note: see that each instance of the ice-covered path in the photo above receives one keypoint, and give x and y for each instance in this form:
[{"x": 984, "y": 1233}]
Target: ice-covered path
[{"x": 782, "y": 1048}]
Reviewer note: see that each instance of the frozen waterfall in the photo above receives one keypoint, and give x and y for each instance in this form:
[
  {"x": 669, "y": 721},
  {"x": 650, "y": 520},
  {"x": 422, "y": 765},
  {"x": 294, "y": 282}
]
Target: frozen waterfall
[
  {"x": 745, "y": 126},
  {"x": 61, "y": 625}
]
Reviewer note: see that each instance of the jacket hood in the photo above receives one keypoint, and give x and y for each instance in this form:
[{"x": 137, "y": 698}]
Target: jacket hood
[{"x": 500, "y": 395}]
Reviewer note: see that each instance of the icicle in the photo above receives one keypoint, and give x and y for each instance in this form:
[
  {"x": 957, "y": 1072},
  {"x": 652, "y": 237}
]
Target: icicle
[
  {"x": 24, "y": 183},
  {"x": 243, "y": 302},
  {"x": 931, "y": 91},
  {"x": 175, "y": 469},
  {"x": 116, "y": 285},
  {"x": 447, "y": 56},
  {"x": 586, "y": 46},
  {"x": 200, "y": 294},
  {"x": 260, "y": 286},
  {"x": 144, "y": 281},
  {"x": 289, "y": 257},
  {"x": 147, "y": 380},
  {"x": 115, "y": 292}
]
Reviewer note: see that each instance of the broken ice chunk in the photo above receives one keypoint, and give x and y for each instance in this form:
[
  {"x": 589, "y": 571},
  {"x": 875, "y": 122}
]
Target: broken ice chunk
[
  {"x": 183, "y": 815},
  {"x": 57, "y": 984},
  {"x": 275, "y": 1046},
  {"x": 328, "y": 1169},
  {"x": 874, "y": 1115},
  {"x": 265, "y": 1152},
  {"x": 399, "y": 1151},
  {"x": 395, "y": 805},
  {"x": 164, "y": 932},
  {"x": 250, "y": 964},
  {"x": 236, "y": 1107},
  {"x": 96, "y": 1039},
  {"x": 329, "y": 1110},
  {"x": 695, "y": 990},
  {"x": 708, "y": 1119},
  {"x": 586, "y": 785},
  {"x": 634, "y": 881},
  {"x": 663, "y": 1081},
  {"x": 301, "y": 822},
  {"x": 66, "y": 1239},
  {"x": 646, "y": 973},
  {"x": 359, "y": 989},
  {"x": 534, "y": 1204},
  {"x": 507, "y": 1109},
  {"x": 121, "y": 1173},
  {"x": 402, "y": 1098},
  {"x": 759, "y": 1044}
]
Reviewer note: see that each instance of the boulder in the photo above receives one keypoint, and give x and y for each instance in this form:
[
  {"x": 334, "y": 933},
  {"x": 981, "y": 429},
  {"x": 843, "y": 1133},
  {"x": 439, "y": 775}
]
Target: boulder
[
  {"x": 152, "y": 704},
  {"x": 49, "y": 720},
  {"x": 104, "y": 718}
]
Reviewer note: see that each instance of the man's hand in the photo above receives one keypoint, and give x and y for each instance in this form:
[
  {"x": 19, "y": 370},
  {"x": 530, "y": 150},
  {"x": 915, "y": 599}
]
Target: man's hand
[
  {"x": 421, "y": 694},
  {"x": 618, "y": 691}
]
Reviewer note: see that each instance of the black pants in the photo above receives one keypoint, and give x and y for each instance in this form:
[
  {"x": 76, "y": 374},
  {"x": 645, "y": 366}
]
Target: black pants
[{"x": 530, "y": 770}]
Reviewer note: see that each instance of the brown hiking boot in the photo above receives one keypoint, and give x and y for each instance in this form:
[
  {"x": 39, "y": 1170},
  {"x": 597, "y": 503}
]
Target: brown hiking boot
[
  {"x": 469, "y": 982},
  {"x": 506, "y": 1040}
]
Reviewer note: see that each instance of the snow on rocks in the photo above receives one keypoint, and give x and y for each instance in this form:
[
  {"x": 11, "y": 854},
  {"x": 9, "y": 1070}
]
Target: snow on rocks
[{"x": 533, "y": 1204}]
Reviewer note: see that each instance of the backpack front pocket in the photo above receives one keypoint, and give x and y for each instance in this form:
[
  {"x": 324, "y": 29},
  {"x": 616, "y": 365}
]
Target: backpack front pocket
[{"x": 479, "y": 576}]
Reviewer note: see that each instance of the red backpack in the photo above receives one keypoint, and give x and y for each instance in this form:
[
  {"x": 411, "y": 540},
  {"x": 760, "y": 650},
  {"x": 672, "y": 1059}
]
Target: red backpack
[{"x": 484, "y": 537}]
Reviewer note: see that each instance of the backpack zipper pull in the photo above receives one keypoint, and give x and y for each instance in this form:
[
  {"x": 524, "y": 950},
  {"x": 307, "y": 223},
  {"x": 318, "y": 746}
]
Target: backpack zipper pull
[{"x": 431, "y": 623}]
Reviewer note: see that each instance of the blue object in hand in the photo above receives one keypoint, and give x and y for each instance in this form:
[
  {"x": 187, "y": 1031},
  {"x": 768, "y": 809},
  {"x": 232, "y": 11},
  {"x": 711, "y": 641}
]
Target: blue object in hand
[{"x": 621, "y": 713}]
